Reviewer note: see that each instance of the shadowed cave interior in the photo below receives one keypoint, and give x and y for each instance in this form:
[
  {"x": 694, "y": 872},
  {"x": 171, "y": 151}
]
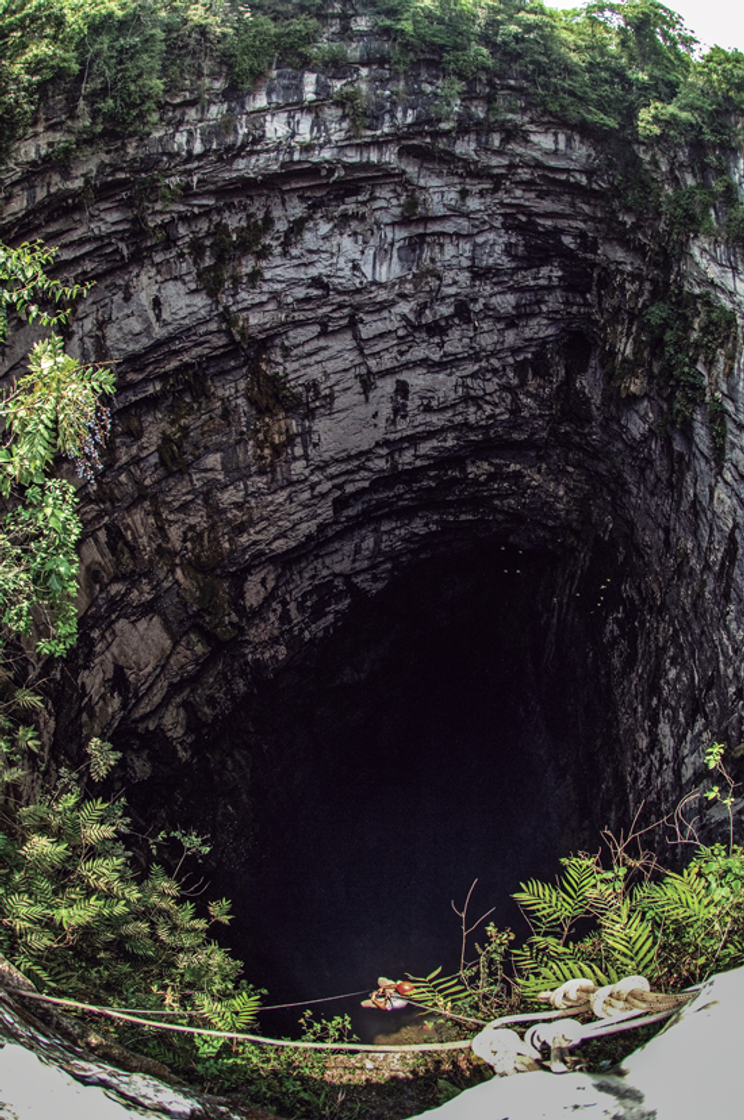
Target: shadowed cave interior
[{"x": 452, "y": 727}]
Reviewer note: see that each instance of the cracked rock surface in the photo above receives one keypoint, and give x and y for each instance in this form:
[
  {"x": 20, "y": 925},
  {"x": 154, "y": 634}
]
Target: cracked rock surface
[{"x": 344, "y": 354}]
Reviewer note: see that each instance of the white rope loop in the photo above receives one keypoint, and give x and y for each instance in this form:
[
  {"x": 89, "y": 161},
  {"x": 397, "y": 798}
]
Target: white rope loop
[
  {"x": 618, "y": 1006},
  {"x": 505, "y": 1051},
  {"x": 571, "y": 994},
  {"x": 561, "y": 1033}
]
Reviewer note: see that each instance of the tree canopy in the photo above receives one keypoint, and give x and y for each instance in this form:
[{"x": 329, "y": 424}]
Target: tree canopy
[{"x": 627, "y": 65}]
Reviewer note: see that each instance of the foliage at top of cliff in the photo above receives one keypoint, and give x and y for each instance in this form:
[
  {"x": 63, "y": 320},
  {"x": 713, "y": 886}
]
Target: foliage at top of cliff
[{"x": 625, "y": 66}]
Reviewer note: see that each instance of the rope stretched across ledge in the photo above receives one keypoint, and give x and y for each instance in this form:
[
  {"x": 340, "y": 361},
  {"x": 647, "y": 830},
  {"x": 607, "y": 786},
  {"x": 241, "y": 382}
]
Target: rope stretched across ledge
[
  {"x": 624, "y": 1005},
  {"x": 463, "y": 1044}
]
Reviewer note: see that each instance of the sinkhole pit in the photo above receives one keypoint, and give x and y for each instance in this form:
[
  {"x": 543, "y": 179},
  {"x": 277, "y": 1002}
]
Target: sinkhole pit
[
  {"x": 405, "y": 566},
  {"x": 458, "y": 725}
]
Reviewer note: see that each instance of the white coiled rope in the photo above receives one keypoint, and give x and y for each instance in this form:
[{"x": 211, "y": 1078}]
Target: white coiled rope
[{"x": 628, "y": 1003}]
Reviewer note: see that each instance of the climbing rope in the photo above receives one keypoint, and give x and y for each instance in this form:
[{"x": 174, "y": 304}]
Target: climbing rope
[
  {"x": 627, "y": 1004},
  {"x": 622, "y": 1006},
  {"x": 184, "y": 1013},
  {"x": 127, "y": 1017},
  {"x": 307, "y": 1002},
  {"x": 633, "y": 993}
]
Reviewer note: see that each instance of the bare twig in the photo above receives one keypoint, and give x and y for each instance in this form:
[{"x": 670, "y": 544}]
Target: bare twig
[
  {"x": 465, "y": 928},
  {"x": 645, "y": 862},
  {"x": 685, "y": 831}
]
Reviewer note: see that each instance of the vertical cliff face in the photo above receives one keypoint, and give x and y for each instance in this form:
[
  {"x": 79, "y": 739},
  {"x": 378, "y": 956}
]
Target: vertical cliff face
[{"x": 370, "y": 377}]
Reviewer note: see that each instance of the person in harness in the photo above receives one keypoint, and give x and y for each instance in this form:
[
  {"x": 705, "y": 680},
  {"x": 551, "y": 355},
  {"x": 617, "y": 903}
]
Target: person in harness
[{"x": 389, "y": 995}]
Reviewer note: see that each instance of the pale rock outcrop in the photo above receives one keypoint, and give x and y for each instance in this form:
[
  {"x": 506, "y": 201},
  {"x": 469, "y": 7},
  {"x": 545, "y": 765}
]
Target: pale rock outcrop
[{"x": 687, "y": 1071}]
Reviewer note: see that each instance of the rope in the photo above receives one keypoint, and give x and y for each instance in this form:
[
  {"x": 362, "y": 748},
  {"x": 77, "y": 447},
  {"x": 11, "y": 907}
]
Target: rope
[
  {"x": 618, "y": 1007},
  {"x": 630, "y": 994},
  {"x": 622, "y": 1004},
  {"x": 262, "y": 1007},
  {"x": 597, "y": 1030},
  {"x": 464, "y": 1044},
  {"x": 305, "y": 1002}
]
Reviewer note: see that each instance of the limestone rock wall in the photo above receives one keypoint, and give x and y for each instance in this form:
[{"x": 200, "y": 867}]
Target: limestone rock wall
[{"x": 341, "y": 350}]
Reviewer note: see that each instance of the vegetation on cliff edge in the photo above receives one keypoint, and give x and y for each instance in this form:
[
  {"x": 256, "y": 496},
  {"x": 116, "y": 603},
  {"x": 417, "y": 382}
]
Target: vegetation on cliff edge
[
  {"x": 76, "y": 914},
  {"x": 623, "y": 66}
]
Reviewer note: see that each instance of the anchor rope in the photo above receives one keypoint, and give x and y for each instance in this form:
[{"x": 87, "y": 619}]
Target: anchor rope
[
  {"x": 263, "y": 1007},
  {"x": 367, "y": 1048},
  {"x": 570, "y": 998}
]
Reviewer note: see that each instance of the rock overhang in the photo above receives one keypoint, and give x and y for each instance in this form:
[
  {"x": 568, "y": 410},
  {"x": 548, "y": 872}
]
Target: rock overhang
[{"x": 343, "y": 356}]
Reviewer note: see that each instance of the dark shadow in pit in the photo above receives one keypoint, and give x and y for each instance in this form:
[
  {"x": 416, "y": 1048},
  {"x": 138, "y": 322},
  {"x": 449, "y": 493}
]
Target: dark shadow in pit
[{"x": 434, "y": 739}]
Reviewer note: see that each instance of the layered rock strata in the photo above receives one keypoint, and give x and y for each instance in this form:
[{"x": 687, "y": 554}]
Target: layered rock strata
[{"x": 343, "y": 351}]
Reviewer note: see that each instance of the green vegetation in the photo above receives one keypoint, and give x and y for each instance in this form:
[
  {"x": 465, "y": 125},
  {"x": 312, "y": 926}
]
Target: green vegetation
[
  {"x": 354, "y": 104},
  {"x": 631, "y": 917},
  {"x": 76, "y": 915},
  {"x": 627, "y": 919},
  {"x": 115, "y": 59},
  {"x": 55, "y": 408},
  {"x": 227, "y": 247},
  {"x": 625, "y": 67},
  {"x": 623, "y": 72},
  {"x": 680, "y": 333},
  {"x": 600, "y": 67},
  {"x": 674, "y": 931}
]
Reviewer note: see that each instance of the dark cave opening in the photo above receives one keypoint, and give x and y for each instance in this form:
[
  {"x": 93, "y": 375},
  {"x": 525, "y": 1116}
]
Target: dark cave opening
[{"x": 455, "y": 726}]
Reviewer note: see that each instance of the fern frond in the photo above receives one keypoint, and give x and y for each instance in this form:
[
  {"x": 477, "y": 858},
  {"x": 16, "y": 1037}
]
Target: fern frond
[
  {"x": 20, "y": 909},
  {"x": 137, "y": 930},
  {"x": 233, "y": 1014},
  {"x": 140, "y": 947},
  {"x": 38, "y": 940},
  {"x": 442, "y": 992},
  {"x": 543, "y": 902},
  {"x": 102, "y": 873},
  {"x": 677, "y": 898},
  {"x": 578, "y": 885},
  {"x": 538, "y": 952},
  {"x": 103, "y": 758},
  {"x": 35, "y": 817},
  {"x": 79, "y": 914},
  {"x": 33, "y": 969},
  {"x": 42, "y": 852},
  {"x": 27, "y": 700},
  {"x": 536, "y": 976},
  {"x": 159, "y": 889},
  {"x": 219, "y": 911},
  {"x": 631, "y": 942},
  {"x": 94, "y": 827}
]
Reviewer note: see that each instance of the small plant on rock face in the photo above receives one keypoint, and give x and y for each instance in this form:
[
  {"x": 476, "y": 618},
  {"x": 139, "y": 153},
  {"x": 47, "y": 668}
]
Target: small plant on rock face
[
  {"x": 354, "y": 105},
  {"x": 103, "y": 758},
  {"x": 75, "y": 912},
  {"x": 714, "y": 762}
]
